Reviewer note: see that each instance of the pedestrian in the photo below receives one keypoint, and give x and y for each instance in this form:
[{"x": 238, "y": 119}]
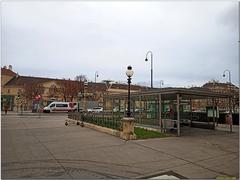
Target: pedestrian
[
  {"x": 21, "y": 108},
  {"x": 228, "y": 119},
  {"x": 6, "y": 109}
]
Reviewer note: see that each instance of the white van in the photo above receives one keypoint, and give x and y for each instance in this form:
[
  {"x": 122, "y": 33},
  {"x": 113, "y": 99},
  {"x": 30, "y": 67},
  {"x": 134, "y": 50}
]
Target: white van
[{"x": 60, "y": 107}]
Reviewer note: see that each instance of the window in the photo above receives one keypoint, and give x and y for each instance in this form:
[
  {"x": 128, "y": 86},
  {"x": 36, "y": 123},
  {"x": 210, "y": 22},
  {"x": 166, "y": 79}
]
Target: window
[
  {"x": 53, "y": 105},
  {"x": 8, "y": 90},
  {"x": 61, "y": 105}
]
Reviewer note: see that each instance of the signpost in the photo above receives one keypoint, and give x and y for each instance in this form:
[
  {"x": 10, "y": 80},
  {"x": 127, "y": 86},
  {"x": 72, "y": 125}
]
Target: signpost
[
  {"x": 18, "y": 98},
  {"x": 38, "y": 98}
]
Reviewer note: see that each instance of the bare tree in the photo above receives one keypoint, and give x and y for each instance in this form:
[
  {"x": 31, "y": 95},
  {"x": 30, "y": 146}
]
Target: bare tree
[
  {"x": 69, "y": 89},
  {"x": 81, "y": 78},
  {"x": 32, "y": 90},
  {"x": 53, "y": 91}
]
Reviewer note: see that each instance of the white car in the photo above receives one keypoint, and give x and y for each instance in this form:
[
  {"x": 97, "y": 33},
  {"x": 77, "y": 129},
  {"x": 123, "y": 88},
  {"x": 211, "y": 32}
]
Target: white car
[
  {"x": 60, "y": 107},
  {"x": 95, "y": 110}
]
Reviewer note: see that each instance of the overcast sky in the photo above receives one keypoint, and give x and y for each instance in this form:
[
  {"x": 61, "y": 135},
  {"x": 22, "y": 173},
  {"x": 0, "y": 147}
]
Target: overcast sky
[{"x": 192, "y": 42}]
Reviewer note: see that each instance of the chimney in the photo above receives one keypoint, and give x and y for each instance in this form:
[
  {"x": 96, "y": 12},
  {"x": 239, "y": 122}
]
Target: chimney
[
  {"x": 10, "y": 67},
  {"x": 4, "y": 67}
]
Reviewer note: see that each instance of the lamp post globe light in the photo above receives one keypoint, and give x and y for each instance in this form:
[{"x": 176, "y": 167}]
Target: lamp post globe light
[
  {"x": 129, "y": 74},
  {"x": 146, "y": 59}
]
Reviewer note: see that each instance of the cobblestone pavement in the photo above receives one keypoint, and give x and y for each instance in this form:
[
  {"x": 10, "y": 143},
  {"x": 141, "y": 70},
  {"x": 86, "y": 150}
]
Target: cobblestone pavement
[{"x": 43, "y": 147}]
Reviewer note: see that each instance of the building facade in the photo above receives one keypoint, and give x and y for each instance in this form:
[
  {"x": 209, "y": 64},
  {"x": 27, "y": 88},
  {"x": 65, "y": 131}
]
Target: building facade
[
  {"x": 19, "y": 91},
  {"x": 222, "y": 104}
]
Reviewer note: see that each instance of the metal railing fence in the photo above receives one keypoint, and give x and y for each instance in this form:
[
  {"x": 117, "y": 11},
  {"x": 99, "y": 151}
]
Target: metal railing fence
[{"x": 100, "y": 119}]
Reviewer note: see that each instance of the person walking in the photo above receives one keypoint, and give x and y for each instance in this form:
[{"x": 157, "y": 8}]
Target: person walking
[{"x": 6, "y": 109}]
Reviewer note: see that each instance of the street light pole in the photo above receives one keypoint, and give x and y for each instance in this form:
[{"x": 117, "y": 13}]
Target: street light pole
[
  {"x": 96, "y": 76},
  {"x": 84, "y": 96},
  {"x": 151, "y": 66},
  {"x": 229, "y": 75},
  {"x": 230, "y": 100},
  {"x": 127, "y": 132},
  {"x": 129, "y": 74},
  {"x": 161, "y": 83}
]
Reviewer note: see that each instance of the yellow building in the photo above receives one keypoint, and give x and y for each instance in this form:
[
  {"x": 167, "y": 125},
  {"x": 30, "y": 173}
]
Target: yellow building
[{"x": 13, "y": 90}]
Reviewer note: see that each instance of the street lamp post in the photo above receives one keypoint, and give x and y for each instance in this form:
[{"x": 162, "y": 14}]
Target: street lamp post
[
  {"x": 229, "y": 75},
  {"x": 127, "y": 132},
  {"x": 230, "y": 100},
  {"x": 129, "y": 74},
  {"x": 85, "y": 95},
  {"x": 96, "y": 76},
  {"x": 151, "y": 66},
  {"x": 161, "y": 83}
]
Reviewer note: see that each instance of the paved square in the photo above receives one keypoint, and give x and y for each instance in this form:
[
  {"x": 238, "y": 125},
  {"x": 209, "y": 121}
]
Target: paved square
[{"x": 34, "y": 147}]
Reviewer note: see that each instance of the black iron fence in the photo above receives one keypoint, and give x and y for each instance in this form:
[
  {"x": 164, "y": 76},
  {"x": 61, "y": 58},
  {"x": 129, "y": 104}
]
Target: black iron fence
[
  {"x": 101, "y": 119},
  {"x": 113, "y": 120}
]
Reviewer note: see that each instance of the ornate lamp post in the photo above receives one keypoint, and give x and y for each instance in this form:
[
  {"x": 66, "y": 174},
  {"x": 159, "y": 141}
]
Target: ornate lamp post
[
  {"x": 127, "y": 132},
  {"x": 129, "y": 74},
  {"x": 146, "y": 59}
]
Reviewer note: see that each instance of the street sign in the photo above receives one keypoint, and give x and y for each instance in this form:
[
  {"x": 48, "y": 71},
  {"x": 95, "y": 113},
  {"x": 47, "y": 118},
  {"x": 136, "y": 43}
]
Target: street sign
[{"x": 38, "y": 97}]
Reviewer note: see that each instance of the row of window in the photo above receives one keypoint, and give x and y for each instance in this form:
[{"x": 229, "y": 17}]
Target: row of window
[{"x": 59, "y": 105}]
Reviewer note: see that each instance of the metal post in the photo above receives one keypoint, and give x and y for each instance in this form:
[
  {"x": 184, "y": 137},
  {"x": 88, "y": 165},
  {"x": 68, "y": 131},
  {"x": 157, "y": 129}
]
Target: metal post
[
  {"x": 85, "y": 94},
  {"x": 96, "y": 75},
  {"x": 128, "y": 108},
  {"x": 160, "y": 111},
  {"x": 17, "y": 105},
  {"x": 178, "y": 116},
  {"x": 119, "y": 106},
  {"x": 39, "y": 115},
  {"x": 161, "y": 83},
  {"x": 213, "y": 104},
  {"x": 21, "y": 106},
  {"x": 230, "y": 112},
  {"x": 151, "y": 66},
  {"x": 190, "y": 112},
  {"x": 112, "y": 106},
  {"x": 140, "y": 115},
  {"x": 151, "y": 70}
]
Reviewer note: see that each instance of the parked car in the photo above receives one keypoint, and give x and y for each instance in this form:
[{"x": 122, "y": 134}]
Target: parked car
[
  {"x": 116, "y": 109},
  {"x": 95, "y": 110},
  {"x": 60, "y": 107}
]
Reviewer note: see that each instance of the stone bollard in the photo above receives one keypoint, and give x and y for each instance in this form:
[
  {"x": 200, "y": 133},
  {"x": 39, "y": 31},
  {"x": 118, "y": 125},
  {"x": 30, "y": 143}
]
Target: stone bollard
[{"x": 128, "y": 129}]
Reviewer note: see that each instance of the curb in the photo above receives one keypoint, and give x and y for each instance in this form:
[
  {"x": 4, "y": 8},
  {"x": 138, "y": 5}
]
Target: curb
[{"x": 96, "y": 127}]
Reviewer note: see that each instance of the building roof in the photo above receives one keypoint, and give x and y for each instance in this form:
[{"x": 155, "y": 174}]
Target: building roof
[
  {"x": 170, "y": 93},
  {"x": 21, "y": 80},
  {"x": 7, "y": 72},
  {"x": 218, "y": 84}
]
